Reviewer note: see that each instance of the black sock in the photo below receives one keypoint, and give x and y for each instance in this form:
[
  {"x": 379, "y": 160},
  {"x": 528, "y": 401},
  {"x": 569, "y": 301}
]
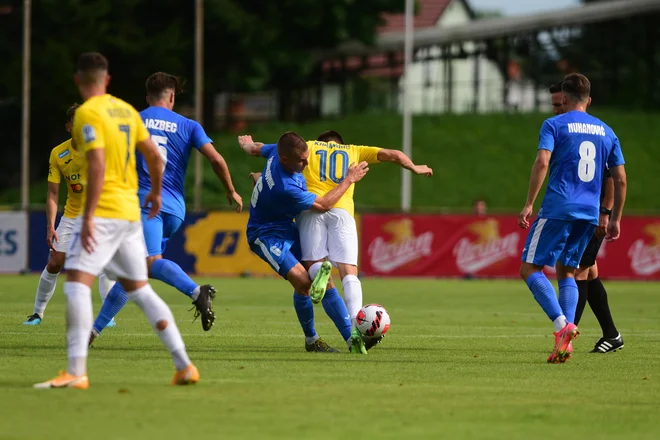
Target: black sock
[
  {"x": 583, "y": 292},
  {"x": 599, "y": 305}
]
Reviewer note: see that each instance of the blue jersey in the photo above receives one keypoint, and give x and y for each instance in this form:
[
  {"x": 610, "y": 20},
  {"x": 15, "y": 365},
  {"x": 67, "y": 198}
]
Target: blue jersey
[
  {"x": 175, "y": 137},
  {"x": 582, "y": 148},
  {"x": 277, "y": 198}
]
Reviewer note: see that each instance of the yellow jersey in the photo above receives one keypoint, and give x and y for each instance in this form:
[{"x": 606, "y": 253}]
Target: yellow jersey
[
  {"x": 328, "y": 166},
  {"x": 66, "y": 161},
  {"x": 114, "y": 125}
]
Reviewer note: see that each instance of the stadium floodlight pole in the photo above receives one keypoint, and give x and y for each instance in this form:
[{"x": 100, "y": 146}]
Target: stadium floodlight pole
[
  {"x": 406, "y": 181},
  {"x": 199, "y": 103},
  {"x": 25, "y": 121}
]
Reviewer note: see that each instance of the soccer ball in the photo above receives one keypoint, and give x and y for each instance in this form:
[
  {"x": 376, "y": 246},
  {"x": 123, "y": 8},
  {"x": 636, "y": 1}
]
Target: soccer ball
[{"x": 373, "y": 320}]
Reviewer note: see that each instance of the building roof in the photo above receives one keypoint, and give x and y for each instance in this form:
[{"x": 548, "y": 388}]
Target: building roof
[
  {"x": 481, "y": 30},
  {"x": 428, "y": 14}
]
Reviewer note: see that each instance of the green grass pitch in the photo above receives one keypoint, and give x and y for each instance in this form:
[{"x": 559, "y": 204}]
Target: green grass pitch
[{"x": 463, "y": 360}]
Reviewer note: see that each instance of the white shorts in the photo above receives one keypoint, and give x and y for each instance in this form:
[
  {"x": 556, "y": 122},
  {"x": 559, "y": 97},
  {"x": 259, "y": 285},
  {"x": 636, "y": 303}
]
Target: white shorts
[
  {"x": 64, "y": 233},
  {"x": 331, "y": 234},
  {"x": 120, "y": 250}
]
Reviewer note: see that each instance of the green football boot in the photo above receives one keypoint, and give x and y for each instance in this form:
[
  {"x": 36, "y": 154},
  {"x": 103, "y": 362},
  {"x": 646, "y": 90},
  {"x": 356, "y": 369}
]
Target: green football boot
[
  {"x": 357, "y": 344},
  {"x": 317, "y": 291}
]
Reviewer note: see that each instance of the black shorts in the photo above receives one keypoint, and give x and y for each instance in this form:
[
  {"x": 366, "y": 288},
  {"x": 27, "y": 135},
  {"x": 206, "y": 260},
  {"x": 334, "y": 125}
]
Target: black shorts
[{"x": 591, "y": 252}]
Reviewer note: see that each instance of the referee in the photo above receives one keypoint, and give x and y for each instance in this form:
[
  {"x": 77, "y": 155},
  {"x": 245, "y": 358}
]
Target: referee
[{"x": 590, "y": 287}]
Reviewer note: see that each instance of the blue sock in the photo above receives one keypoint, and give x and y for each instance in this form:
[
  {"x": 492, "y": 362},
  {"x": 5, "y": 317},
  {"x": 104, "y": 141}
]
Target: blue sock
[
  {"x": 114, "y": 302},
  {"x": 170, "y": 273},
  {"x": 545, "y": 295},
  {"x": 335, "y": 307},
  {"x": 305, "y": 311},
  {"x": 568, "y": 297}
]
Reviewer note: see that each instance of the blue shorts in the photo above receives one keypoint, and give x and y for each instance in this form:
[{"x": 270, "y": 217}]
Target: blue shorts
[
  {"x": 158, "y": 230},
  {"x": 551, "y": 240},
  {"x": 281, "y": 254}
]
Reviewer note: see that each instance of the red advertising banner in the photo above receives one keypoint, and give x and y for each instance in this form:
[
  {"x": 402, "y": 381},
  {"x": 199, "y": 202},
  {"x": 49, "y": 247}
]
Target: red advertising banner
[{"x": 458, "y": 246}]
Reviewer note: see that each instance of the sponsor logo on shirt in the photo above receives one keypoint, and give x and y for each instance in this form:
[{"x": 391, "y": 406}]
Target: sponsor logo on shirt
[
  {"x": 63, "y": 153},
  {"x": 89, "y": 134},
  {"x": 77, "y": 188}
]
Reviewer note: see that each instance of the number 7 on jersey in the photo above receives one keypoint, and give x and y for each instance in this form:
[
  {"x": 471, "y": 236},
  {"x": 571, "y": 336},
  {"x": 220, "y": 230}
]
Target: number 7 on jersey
[{"x": 127, "y": 130}]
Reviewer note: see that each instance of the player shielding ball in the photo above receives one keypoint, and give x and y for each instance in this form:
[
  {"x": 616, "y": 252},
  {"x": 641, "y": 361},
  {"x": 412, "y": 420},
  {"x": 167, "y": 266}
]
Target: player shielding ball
[
  {"x": 332, "y": 235},
  {"x": 176, "y": 136},
  {"x": 279, "y": 196},
  {"x": 590, "y": 287},
  {"x": 576, "y": 147},
  {"x": 65, "y": 162},
  {"x": 108, "y": 235}
]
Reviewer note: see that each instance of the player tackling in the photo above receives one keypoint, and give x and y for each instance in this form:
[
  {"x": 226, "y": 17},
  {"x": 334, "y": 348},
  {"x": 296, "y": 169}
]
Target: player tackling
[
  {"x": 108, "y": 235},
  {"x": 280, "y": 194},
  {"x": 332, "y": 235},
  {"x": 576, "y": 147}
]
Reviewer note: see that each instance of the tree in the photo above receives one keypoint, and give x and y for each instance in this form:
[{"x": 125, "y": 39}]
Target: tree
[
  {"x": 276, "y": 38},
  {"x": 62, "y": 29},
  {"x": 249, "y": 45}
]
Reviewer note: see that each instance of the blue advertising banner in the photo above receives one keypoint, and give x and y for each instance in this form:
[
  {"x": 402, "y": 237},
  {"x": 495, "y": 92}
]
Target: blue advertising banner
[{"x": 210, "y": 243}]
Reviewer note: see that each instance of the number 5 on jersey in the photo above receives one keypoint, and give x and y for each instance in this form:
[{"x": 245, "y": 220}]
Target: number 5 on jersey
[{"x": 161, "y": 143}]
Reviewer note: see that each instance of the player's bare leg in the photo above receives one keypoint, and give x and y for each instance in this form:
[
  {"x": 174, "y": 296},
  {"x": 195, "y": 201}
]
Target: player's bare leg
[
  {"x": 301, "y": 282},
  {"x": 46, "y": 287}
]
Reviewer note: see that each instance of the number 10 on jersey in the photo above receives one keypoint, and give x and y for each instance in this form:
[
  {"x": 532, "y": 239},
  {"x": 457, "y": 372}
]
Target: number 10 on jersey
[{"x": 325, "y": 173}]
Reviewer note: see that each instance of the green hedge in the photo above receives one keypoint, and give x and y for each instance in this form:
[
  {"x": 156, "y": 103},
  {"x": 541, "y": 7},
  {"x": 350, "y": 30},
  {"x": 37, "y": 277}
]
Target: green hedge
[{"x": 473, "y": 156}]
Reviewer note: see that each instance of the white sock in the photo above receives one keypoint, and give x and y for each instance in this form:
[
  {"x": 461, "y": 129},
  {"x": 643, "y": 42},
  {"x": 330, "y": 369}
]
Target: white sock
[
  {"x": 79, "y": 319},
  {"x": 309, "y": 340},
  {"x": 314, "y": 270},
  {"x": 352, "y": 295},
  {"x": 105, "y": 284},
  {"x": 158, "y": 313},
  {"x": 195, "y": 293},
  {"x": 45, "y": 290},
  {"x": 559, "y": 323}
]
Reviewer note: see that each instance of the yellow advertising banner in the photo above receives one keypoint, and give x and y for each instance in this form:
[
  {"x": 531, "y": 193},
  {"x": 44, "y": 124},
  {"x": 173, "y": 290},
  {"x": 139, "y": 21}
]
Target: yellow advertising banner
[{"x": 217, "y": 242}]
